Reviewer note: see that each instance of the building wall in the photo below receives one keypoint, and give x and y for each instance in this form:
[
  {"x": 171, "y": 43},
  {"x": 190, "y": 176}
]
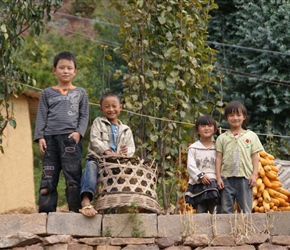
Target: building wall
[{"x": 16, "y": 164}]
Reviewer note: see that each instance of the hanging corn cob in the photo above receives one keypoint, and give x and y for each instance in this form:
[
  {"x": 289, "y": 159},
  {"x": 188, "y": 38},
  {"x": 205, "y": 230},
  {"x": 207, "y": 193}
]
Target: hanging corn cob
[
  {"x": 269, "y": 194},
  {"x": 183, "y": 207}
]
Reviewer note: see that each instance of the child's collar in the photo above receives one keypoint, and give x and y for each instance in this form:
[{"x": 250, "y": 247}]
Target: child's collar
[{"x": 63, "y": 91}]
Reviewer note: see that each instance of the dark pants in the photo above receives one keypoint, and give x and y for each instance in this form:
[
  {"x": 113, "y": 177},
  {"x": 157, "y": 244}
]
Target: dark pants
[
  {"x": 64, "y": 154},
  {"x": 236, "y": 189}
]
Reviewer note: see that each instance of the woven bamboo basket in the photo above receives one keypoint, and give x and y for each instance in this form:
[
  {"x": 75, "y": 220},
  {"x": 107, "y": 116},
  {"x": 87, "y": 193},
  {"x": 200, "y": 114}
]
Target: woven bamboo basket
[{"x": 123, "y": 180}]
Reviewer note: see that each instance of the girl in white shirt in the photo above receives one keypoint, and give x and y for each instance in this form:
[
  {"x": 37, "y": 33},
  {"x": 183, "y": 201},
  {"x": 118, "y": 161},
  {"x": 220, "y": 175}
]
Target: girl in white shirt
[{"x": 202, "y": 192}]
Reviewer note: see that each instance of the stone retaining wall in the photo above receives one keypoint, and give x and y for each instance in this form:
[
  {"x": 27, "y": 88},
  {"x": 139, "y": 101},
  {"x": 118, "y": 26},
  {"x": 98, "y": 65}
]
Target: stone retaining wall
[{"x": 70, "y": 231}]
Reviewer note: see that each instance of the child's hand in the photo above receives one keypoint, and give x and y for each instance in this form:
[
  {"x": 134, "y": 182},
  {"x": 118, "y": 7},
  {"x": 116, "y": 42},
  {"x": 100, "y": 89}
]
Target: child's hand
[
  {"x": 252, "y": 180},
  {"x": 76, "y": 136},
  {"x": 205, "y": 180},
  {"x": 42, "y": 145},
  {"x": 220, "y": 183},
  {"x": 109, "y": 152},
  {"x": 123, "y": 150}
]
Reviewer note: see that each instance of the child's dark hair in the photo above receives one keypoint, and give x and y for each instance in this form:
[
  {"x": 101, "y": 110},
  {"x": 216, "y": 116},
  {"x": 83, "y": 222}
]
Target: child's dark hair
[
  {"x": 64, "y": 55},
  {"x": 205, "y": 120},
  {"x": 236, "y": 107},
  {"x": 109, "y": 94}
]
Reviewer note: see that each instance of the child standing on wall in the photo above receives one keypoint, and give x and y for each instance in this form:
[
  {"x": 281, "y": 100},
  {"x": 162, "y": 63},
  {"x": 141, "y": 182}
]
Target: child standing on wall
[
  {"x": 202, "y": 192},
  {"x": 109, "y": 136},
  {"x": 61, "y": 123},
  {"x": 237, "y": 160}
]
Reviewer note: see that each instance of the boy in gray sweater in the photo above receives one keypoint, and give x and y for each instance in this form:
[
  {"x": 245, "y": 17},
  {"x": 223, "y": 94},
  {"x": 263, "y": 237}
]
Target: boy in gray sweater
[{"x": 61, "y": 123}]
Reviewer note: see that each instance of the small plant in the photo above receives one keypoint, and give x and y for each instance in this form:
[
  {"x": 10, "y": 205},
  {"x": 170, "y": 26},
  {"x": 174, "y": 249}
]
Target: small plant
[
  {"x": 242, "y": 226},
  {"x": 135, "y": 221},
  {"x": 107, "y": 233}
]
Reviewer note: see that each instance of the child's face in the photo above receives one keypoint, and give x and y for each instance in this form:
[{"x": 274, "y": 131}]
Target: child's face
[
  {"x": 65, "y": 71},
  {"x": 236, "y": 119},
  {"x": 206, "y": 131},
  {"x": 111, "y": 108}
]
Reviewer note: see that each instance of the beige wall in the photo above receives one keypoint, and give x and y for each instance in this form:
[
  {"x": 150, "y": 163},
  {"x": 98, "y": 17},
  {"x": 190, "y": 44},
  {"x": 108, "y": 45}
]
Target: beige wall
[{"x": 16, "y": 164}]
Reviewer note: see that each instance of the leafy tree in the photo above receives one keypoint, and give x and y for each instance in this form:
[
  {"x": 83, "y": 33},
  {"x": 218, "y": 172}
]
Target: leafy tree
[
  {"x": 168, "y": 80},
  {"x": 254, "y": 67},
  {"x": 17, "y": 17}
]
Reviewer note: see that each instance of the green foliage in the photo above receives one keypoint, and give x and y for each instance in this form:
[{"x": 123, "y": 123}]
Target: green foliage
[
  {"x": 110, "y": 59},
  {"x": 135, "y": 221},
  {"x": 84, "y": 8},
  {"x": 169, "y": 77},
  {"x": 259, "y": 78},
  {"x": 16, "y": 17}
]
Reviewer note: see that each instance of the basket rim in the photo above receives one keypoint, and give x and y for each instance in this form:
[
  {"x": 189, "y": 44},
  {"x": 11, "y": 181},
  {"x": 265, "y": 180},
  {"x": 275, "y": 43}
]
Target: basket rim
[{"x": 156, "y": 208}]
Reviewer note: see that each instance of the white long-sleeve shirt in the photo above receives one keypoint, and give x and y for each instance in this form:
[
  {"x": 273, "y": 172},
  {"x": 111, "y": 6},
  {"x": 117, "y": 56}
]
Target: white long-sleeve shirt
[{"x": 200, "y": 159}]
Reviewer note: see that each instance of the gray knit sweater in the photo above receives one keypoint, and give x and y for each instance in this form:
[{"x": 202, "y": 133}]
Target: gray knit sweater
[{"x": 62, "y": 114}]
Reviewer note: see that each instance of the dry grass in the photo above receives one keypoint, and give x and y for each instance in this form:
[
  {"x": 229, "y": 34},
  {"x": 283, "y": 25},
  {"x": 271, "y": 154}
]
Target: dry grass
[
  {"x": 214, "y": 226},
  {"x": 31, "y": 210},
  {"x": 188, "y": 224},
  {"x": 23, "y": 210},
  {"x": 243, "y": 226}
]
